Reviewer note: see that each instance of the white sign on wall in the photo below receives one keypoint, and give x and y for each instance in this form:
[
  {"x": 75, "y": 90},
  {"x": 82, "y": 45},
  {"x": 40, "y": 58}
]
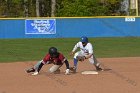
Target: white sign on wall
[
  {"x": 40, "y": 26},
  {"x": 130, "y": 19}
]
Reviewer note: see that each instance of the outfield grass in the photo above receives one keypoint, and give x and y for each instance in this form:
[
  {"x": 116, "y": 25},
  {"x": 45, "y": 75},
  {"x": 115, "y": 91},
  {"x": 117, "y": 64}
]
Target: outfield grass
[{"x": 12, "y": 50}]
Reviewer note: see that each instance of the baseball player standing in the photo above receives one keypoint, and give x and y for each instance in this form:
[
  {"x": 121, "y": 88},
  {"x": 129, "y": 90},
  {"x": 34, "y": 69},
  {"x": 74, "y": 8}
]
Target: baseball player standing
[
  {"x": 52, "y": 57},
  {"x": 86, "y": 52}
]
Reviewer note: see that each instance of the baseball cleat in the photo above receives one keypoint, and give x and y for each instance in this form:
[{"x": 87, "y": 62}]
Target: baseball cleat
[
  {"x": 99, "y": 69},
  {"x": 30, "y": 70},
  {"x": 73, "y": 69},
  {"x": 67, "y": 72},
  {"x": 35, "y": 73}
]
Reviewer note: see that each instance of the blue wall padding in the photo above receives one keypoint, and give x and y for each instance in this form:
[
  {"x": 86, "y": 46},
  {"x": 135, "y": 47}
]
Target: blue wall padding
[{"x": 75, "y": 27}]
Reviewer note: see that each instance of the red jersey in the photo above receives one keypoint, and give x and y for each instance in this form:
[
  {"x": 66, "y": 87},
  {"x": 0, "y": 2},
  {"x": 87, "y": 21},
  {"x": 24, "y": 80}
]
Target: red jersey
[{"x": 57, "y": 61}]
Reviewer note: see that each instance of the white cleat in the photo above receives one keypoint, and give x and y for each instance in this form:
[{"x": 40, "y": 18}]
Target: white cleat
[
  {"x": 67, "y": 72},
  {"x": 35, "y": 73}
]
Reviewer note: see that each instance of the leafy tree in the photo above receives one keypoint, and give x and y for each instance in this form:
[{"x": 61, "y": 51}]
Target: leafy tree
[
  {"x": 10, "y": 7},
  {"x": 87, "y": 7},
  {"x": 59, "y": 8},
  {"x": 2, "y": 7}
]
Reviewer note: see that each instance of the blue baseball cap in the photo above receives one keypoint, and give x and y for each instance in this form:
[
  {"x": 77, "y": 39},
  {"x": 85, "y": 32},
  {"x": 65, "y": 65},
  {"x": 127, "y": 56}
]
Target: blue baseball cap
[{"x": 84, "y": 39}]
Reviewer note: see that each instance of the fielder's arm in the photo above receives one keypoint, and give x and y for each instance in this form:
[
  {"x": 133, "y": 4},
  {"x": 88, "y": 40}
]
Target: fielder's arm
[{"x": 75, "y": 48}]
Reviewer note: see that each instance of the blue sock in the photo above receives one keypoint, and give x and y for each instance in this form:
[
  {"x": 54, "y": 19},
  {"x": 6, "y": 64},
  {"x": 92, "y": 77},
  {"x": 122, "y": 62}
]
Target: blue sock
[{"x": 75, "y": 62}]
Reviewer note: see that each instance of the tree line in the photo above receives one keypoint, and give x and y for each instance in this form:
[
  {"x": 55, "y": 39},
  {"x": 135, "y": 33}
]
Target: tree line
[{"x": 60, "y": 8}]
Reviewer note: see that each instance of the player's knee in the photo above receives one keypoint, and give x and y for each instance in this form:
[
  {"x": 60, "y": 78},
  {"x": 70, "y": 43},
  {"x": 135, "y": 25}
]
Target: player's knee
[
  {"x": 76, "y": 54},
  {"x": 92, "y": 62},
  {"x": 51, "y": 71}
]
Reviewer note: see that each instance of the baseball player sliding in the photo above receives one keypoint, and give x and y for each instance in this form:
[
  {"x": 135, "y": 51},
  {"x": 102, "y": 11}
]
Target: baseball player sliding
[
  {"x": 86, "y": 52},
  {"x": 52, "y": 57}
]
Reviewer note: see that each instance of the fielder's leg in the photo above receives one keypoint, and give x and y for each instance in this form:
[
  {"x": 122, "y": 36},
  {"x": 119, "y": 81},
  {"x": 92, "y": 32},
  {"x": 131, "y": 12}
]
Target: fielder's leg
[
  {"x": 73, "y": 69},
  {"x": 75, "y": 61},
  {"x": 94, "y": 61}
]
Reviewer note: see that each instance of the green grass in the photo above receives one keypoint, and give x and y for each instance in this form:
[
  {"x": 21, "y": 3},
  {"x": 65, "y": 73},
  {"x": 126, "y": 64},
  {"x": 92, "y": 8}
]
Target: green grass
[{"x": 12, "y": 50}]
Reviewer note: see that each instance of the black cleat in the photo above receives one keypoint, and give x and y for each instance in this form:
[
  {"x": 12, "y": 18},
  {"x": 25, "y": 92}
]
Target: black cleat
[
  {"x": 73, "y": 69},
  {"x": 30, "y": 70},
  {"x": 99, "y": 69}
]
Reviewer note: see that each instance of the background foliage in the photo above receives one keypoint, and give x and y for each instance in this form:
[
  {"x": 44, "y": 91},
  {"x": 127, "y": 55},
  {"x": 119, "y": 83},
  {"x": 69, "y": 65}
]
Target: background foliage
[{"x": 72, "y": 8}]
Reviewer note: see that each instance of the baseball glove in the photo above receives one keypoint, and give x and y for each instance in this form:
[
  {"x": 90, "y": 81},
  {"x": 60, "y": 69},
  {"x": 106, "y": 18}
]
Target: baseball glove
[{"x": 80, "y": 58}]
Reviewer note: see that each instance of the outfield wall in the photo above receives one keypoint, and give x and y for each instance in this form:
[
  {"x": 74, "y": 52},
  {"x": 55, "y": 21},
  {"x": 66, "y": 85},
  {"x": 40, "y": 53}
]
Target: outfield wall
[{"x": 73, "y": 27}]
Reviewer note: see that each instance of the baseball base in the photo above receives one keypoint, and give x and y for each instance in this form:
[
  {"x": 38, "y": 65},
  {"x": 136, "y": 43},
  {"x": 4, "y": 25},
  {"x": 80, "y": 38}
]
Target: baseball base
[{"x": 89, "y": 72}]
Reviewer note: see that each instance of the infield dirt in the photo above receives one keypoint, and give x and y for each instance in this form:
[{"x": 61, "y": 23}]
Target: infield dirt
[{"x": 121, "y": 76}]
